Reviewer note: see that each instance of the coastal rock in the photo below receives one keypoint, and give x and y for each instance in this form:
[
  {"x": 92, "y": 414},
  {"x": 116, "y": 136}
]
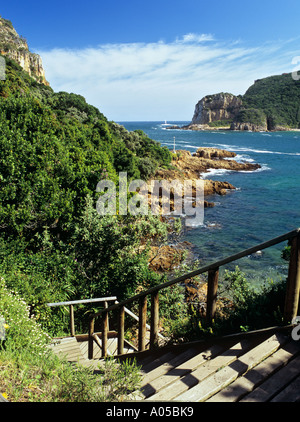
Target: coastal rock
[
  {"x": 249, "y": 127},
  {"x": 167, "y": 257},
  {"x": 213, "y": 153},
  {"x": 16, "y": 48},
  {"x": 222, "y": 106},
  {"x": 213, "y": 187},
  {"x": 190, "y": 167}
]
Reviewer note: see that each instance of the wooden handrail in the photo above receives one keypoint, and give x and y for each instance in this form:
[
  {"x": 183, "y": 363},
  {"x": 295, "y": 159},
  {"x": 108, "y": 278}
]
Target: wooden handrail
[
  {"x": 79, "y": 302},
  {"x": 292, "y": 295}
]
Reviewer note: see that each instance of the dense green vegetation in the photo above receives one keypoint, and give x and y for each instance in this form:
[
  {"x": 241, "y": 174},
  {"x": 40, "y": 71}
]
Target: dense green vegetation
[
  {"x": 252, "y": 115},
  {"x": 278, "y": 97},
  {"x": 54, "y": 149}
]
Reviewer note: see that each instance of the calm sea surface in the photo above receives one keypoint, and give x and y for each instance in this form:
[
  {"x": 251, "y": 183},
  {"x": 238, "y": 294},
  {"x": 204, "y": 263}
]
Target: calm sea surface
[{"x": 266, "y": 203}]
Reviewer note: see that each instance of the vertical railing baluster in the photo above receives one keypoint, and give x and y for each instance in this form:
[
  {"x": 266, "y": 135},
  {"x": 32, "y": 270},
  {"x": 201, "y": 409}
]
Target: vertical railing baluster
[
  {"x": 293, "y": 282},
  {"x": 121, "y": 331},
  {"x": 212, "y": 289},
  {"x": 154, "y": 320},
  {"x": 72, "y": 324},
  {"x": 142, "y": 323},
  {"x": 91, "y": 340},
  {"x": 104, "y": 334}
]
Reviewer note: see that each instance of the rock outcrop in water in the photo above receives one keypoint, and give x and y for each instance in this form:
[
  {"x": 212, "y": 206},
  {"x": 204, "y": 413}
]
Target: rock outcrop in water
[{"x": 189, "y": 166}]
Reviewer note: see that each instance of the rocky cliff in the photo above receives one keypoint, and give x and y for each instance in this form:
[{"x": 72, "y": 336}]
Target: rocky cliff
[
  {"x": 222, "y": 106},
  {"x": 16, "y": 48}
]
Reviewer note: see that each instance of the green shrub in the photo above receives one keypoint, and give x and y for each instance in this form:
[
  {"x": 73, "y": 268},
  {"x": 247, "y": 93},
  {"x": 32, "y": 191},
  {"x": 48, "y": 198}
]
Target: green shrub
[{"x": 30, "y": 372}]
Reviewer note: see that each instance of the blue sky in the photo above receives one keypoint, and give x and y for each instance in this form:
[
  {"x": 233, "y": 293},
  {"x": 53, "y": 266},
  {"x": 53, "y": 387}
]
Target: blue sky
[{"x": 154, "y": 60}]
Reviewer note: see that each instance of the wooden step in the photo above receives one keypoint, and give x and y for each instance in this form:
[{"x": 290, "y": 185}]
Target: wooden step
[
  {"x": 290, "y": 394},
  {"x": 205, "y": 365},
  {"x": 68, "y": 348},
  {"x": 189, "y": 361},
  {"x": 223, "y": 376},
  {"x": 245, "y": 384},
  {"x": 274, "y": 385}
]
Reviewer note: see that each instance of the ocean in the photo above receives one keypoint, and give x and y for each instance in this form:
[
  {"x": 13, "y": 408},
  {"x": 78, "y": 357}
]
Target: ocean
[{"x": 265, "y": 204}]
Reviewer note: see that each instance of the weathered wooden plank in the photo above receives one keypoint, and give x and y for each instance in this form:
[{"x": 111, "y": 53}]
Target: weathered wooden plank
[
  {"x": 207, "y": 368},
  {"x": 273, "y": 385},
  {"x": 159, "y": 380},
  {"x": 167, "y": 366},
  {"x": 290, "y": 394},
  {"x": 220, "y": 379},
  {"x": 245, "y": 384},
  {"x": 157, "y": 362}
]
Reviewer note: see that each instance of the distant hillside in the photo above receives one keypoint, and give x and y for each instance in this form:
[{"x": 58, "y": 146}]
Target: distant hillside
[
  {"x": 272, "y": 103},
  {"x": 279, "y": 99}
]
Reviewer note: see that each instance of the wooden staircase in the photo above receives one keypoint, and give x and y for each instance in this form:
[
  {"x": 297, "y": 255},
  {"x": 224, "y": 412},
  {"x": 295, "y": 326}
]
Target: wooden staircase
[
  {"x": 75, "y": 348},
  {"x": 259, "y": 367}
]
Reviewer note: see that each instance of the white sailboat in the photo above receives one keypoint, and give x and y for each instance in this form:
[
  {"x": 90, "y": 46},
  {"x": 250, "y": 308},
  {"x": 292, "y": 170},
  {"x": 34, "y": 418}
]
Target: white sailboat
[{"x": 166, "y": 124}]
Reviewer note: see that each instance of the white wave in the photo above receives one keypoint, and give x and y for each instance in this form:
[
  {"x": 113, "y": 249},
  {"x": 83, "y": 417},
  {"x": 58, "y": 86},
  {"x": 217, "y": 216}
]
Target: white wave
[
  {"x": 221, "y": 172},
  {"x": 214, "y": 172},
  {"x": 237, "y": 148},
  {"x": 263, "y": 167}
]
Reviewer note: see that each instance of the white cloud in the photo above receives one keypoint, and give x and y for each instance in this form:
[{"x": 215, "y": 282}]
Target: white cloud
[
  {"x": 157, "y": 81},
  {"x": 195, "y": 38}
]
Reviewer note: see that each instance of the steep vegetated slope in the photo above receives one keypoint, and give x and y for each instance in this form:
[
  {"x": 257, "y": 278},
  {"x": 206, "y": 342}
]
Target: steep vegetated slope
[{"x": 54, "y": 149}]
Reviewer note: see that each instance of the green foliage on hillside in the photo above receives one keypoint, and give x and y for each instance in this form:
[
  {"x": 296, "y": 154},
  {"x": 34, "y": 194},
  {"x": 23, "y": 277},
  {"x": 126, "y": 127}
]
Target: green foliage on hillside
[
  {"x": 54, "y": 149},
  {"x": 278, "y": 97},
  {"x": 252, "y": 115}
]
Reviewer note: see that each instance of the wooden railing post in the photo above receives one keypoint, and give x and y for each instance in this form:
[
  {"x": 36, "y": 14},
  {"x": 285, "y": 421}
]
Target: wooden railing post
[
  {"x": 104, "y": 333},
  {"x": 293, "y": 282},
  {"x": 72, "y": 324},
  {"x": 212, "y": 289},
  {"x": 121, "y": 330},
  {"x": 91, "y": 339},
  {"x": 154, "y": 320},
  {"x": 142, "y": 323}
]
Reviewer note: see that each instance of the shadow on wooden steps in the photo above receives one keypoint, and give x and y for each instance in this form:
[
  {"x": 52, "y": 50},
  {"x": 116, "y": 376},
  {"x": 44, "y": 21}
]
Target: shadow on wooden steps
[{"x": 260, "y": 366}]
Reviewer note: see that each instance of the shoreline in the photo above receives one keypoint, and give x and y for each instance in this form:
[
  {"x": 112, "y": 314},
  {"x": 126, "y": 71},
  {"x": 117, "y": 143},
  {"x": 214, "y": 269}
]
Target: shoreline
[
  {"x": 207, "y": 128},
  {"x": 187, "y": 166}
]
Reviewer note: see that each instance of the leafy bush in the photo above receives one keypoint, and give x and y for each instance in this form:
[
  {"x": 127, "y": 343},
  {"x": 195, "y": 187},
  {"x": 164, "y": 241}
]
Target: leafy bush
[{"x": 30, "y": 372}]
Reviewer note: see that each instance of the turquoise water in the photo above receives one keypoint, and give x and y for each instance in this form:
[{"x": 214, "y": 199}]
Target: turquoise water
[{"x": 266, "y": 203}]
